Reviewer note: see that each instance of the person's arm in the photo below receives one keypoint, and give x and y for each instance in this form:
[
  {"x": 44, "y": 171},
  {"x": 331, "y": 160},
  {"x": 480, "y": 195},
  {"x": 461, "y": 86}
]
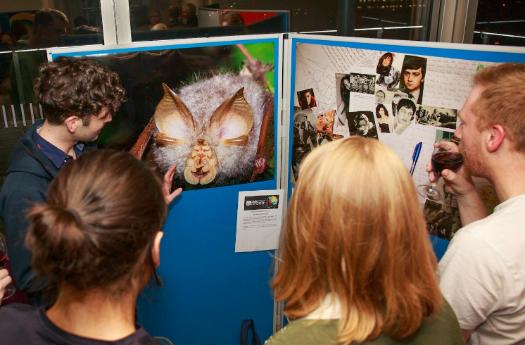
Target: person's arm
[
  {"x": 15, "y": 205},
  {"x": 5, "y": 280},
  {"x": 460, "y": 184}
]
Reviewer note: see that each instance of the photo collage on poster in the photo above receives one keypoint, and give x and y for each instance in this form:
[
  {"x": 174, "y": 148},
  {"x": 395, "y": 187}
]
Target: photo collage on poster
[
  {"x": 385, "y": 98},
  {"x": 207, "y": 110}
]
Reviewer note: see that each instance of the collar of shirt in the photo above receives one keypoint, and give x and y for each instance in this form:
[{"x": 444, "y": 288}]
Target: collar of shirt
[{"x": 53, "y": 153}]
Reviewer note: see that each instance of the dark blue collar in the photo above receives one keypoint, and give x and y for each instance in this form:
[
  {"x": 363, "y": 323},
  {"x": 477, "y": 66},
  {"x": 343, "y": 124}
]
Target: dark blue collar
[{"x": 55, "y": 155}]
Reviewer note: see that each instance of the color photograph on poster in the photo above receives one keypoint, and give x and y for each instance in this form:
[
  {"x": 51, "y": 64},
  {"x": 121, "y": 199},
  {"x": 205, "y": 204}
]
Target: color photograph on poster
[
  {"x": 306, "y": 99},
  {"x": 208, "y": 110}
]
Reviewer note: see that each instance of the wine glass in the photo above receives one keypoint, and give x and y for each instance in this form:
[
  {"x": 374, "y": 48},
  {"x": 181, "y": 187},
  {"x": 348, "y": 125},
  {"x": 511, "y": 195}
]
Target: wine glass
[
  {"x": 441, "y": 159},
  {"x": 9, "y": 289}
]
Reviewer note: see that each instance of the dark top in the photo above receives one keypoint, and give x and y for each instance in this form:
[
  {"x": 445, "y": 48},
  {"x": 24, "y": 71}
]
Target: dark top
[
  {"x": 440, "y": 329},
  {"x": 53, "y": 153},
  {"x": 26, "y": 182},
  {"x": 28, "y": 325}
]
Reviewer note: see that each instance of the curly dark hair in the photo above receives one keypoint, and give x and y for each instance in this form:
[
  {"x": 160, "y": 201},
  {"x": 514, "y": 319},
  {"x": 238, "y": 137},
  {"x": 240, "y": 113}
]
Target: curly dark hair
[{"x": 77, "y": 86}]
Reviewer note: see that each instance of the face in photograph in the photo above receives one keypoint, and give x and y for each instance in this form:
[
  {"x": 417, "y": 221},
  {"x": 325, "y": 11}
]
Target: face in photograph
[
  {"x": 404, "y": 115},
  {"x": 384, "y": 63},
  {"x": 413, "y": 79},
  {"x": 382, "y": 113},
  {"x": 380, "y": 97},
  {"x": 383, "y": 118},
  {"x": 346, "y": 83},
  {"x": 387, "y": 61},
  {"x": 413, "y": 76},
  {"x": 307, "y": 99},
  {"x": 364, "y": 125},
  {"x": 325, "y": 122}
]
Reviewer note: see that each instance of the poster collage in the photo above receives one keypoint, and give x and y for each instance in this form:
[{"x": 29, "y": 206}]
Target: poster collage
[{"x": 402, "y": 100}]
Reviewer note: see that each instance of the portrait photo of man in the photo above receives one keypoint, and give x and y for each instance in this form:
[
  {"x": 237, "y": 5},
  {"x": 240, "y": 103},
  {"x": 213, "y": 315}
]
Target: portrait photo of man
[
  {"x": 405, "y": 112},
  {"x": 413, "y": 77},
  {"x": 306, "y": 99}
]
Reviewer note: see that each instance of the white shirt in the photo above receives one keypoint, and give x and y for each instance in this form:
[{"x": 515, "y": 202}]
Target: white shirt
[{"x": 482, "y": 275}]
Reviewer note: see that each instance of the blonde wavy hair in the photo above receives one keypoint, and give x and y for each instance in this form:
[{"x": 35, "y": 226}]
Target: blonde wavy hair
[{"x": 355, "y": 229}]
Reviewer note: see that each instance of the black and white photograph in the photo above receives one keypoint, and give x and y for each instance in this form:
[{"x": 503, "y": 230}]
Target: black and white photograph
[
  {"x": 404, "y": 111},
  {"x": 387, "y": 75},
  {"x": 364, "y": 83},
  {"x": 362, "y": 123},
  {"x": 413, "y": 73},
  {"x": 438, "y": 117},
  {"x": 342, "y": 97},
  {"x": 380, "y": 96},
  {"x": 383, "y": 118},
  {"x": 304, "y": 137}
]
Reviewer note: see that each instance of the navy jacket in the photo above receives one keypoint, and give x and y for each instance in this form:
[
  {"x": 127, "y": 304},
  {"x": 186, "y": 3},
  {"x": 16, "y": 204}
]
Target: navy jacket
[{"x": 27, "y": 180}]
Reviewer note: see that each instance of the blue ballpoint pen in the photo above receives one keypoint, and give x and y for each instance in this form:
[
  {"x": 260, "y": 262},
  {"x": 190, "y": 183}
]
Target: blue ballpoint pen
[{"x": 415, "y": 156}]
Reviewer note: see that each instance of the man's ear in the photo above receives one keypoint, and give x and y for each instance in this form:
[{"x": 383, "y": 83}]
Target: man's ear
[
  {"x": 495, "y": 136},
  {"x": 72, "y": 122},
  {"x": 155, "y": 249}
]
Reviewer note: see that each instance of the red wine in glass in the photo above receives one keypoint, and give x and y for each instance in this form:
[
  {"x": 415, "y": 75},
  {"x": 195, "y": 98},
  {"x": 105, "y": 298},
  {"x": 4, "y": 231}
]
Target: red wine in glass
[
  {"x": 441, "y": 160},
  {"x": 446, "y": 160}
]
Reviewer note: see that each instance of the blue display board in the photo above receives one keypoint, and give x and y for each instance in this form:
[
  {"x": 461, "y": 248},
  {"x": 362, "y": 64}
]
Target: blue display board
[
  {"x": 318, "y": 67},
  {"x": 208, "y": 289}
]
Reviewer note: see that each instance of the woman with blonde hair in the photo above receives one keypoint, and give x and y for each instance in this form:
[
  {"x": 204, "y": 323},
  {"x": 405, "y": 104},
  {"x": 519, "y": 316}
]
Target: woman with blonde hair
[
  {"x": 97, "y": 239},
  {"x": 356, "y": 262}
]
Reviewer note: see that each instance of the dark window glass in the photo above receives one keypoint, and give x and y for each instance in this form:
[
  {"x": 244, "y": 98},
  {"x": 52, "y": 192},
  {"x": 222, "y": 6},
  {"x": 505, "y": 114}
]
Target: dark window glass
[
  {"x": 69, "y": 23},
  {"x": 18, "y": 107},
  {"x": 500, "y": 22},
  {"x": 394, "y": 19},
  {"x": 164, "y": 20}
]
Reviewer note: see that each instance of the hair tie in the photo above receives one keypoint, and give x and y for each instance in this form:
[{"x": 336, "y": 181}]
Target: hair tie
[{"x": 75, "y": 214}]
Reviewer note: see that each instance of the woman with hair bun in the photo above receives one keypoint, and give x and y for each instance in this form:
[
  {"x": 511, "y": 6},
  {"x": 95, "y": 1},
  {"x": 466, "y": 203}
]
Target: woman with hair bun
[
  {"x": 356, "y": 264},
  {"x": 97, "y": 240}
]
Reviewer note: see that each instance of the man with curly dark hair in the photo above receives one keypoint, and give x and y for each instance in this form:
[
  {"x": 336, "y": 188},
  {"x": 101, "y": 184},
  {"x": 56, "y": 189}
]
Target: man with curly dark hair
[{"x": 78, "y": 97}]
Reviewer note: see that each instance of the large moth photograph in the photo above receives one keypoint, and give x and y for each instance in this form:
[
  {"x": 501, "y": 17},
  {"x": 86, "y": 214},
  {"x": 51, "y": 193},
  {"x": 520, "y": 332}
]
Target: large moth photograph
[{"x": 209, "y": 110}]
